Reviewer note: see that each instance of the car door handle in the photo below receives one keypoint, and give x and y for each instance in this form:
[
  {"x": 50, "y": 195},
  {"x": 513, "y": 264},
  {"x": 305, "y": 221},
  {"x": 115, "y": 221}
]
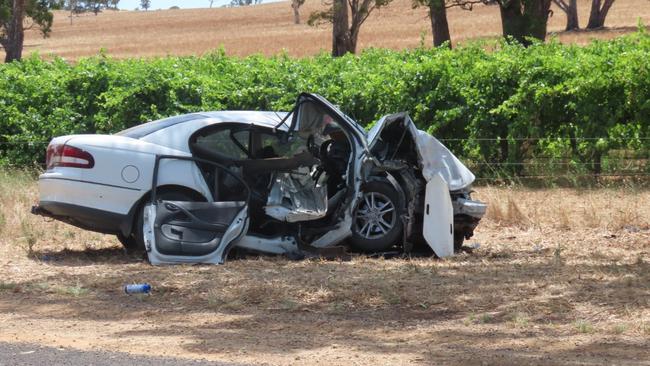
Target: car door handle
[{"x": 178, "y": 233}]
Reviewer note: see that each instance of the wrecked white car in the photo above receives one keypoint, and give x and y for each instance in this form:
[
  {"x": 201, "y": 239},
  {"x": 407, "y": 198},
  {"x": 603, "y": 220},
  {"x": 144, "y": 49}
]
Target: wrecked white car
[{"x": 190, "y": 188}]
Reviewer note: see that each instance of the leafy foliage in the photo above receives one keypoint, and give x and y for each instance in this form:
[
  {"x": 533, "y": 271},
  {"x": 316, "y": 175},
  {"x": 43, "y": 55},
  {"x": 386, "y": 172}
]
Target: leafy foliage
[
  {"x": 38, "y": 12},
  {"x": 562, "y": 107}
]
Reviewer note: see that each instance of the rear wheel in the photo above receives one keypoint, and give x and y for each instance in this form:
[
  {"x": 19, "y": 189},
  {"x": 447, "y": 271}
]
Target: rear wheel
[
  {"x": 128, "y": 242},
  {"x": 377, "y": 218}
]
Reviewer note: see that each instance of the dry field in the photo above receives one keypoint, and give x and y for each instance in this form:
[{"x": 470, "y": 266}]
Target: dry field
[
  {"x": 269, "y": 29},
  {"x": 561, "y": 277}
]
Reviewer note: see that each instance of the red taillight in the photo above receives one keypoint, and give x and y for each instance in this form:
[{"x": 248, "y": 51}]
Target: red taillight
[{"x": 68, "y": 156}]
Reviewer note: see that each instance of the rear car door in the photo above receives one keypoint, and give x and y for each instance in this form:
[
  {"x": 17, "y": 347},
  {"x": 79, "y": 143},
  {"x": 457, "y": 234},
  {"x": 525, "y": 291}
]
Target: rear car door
[{"x": 194, "y": 232}]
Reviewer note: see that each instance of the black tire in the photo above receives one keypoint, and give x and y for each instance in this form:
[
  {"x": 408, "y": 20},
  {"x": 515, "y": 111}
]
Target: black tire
[
  {"x": 458, "y": 242},
  {"x": 128, "y": 242},
  {"x": 375, "y": 236},
  {"x": 138, "y": 235}
]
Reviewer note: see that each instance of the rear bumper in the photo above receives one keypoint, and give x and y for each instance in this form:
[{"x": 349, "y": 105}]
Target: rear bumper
[{"x": 83, "y": 217}]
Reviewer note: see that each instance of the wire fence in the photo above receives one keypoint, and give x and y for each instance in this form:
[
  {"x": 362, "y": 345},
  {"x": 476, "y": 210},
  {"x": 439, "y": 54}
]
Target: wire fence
[{"x": 627, "y": 162}]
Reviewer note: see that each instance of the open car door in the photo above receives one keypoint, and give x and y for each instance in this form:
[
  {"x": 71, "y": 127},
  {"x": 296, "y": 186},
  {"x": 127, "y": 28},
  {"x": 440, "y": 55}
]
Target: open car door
[
  {"x": 193, "y": 232},
  {"x": 438, "y": 227}
]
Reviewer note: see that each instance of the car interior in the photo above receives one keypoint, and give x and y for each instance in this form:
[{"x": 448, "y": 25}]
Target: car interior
[{"x": 298, "y": 177}]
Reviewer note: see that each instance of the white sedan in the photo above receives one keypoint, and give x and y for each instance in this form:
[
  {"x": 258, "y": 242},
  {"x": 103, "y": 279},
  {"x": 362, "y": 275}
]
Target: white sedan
[{"x": 187, "y": 189}]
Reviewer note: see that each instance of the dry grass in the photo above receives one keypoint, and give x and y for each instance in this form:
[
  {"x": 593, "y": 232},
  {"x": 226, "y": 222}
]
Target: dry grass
[
  {"x": 268, "y": 29},
  {"x": 568, "y": 209},
  {"x": 562, "y": 276}
]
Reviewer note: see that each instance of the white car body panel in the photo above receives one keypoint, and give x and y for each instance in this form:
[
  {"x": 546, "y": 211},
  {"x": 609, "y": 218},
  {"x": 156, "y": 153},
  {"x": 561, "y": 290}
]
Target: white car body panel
[
  {"x": 121, "y": 176},
  {"x": 438, "y": 228}
]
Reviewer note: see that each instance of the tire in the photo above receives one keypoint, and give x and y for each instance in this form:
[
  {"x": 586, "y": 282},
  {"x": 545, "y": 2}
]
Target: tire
[
  {"x": 377, "y": 219},
  {"x": 458, "y": 242},
  {"x": 128, "y": 242},
  {"x": 138, "y": 236}
]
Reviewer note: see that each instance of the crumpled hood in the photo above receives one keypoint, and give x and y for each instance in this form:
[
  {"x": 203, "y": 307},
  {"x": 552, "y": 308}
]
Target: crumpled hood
[{"x": 436, "y": 158}]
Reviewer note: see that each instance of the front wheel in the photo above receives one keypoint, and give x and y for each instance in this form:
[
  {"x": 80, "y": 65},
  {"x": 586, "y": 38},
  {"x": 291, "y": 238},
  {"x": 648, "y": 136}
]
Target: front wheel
[{"x": 377, "y": 218}]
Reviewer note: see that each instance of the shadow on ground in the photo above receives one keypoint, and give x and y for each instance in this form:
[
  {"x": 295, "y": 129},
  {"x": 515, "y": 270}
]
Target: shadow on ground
[{"x": 425, "y": 307}]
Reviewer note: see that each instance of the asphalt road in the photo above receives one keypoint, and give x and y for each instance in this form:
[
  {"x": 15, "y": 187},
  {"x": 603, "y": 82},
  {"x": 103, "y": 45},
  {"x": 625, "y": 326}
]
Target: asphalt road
[{"x": 28, "y": 354}]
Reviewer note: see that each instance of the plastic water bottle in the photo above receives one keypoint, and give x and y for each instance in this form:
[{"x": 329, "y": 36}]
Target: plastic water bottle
[{"x": 138, "y": 288}]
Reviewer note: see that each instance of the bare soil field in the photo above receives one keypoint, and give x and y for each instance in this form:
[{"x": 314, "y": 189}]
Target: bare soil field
[
  {"x": 560, "y": 276},
  {"x": 268, "y": 29}
]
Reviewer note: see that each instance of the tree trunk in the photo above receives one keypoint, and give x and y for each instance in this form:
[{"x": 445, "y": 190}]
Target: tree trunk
[
  {"x": 536, "y": 17},
  {"x": 512, "y": 20},
  {"x": 295, "y": 5},
  {"x": 439, "y": 25},
  {"x": 504, "y": 147},
  {"x": 570, "y": 8},
  {"x": 531, "y": 22},
  {"x": 15, "y": 33},
  {"x": 572, "y": 16},
  {"x": 341, "y": 40},
  {"x": 598, "y": 14},
  {"x": 597, "y": 163}
]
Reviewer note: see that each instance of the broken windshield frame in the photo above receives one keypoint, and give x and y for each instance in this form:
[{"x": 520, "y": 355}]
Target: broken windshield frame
[{"x": 329, "y": 107}]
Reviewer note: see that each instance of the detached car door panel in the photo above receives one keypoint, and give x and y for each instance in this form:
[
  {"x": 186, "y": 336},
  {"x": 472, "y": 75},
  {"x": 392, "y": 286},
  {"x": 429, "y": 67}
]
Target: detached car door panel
[{"x": 438, "y": 228}]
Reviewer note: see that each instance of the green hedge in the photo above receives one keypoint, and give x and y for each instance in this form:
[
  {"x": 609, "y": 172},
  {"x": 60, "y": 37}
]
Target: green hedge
[{"x": 502, "y": 107}]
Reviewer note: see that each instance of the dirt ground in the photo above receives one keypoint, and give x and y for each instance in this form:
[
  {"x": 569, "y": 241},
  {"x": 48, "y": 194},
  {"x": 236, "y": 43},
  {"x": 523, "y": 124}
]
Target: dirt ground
[
  {"x": 268, "y": 29},
  {"x": 559, "y": 277}
]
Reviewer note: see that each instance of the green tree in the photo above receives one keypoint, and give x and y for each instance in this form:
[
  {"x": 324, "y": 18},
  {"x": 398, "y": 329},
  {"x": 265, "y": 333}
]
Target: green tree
[
  {"x": 13, "y": 14},
  {"x": 145, "y": 4}
]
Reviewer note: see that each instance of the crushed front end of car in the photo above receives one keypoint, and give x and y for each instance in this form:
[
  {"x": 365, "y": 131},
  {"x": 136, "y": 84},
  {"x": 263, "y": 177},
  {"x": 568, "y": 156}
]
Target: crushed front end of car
[{"x": 437, "y": 185}]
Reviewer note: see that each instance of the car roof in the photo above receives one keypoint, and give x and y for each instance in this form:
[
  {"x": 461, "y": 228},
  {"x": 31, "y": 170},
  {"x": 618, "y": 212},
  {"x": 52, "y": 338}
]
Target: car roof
[{"x": 266, "y": 119}]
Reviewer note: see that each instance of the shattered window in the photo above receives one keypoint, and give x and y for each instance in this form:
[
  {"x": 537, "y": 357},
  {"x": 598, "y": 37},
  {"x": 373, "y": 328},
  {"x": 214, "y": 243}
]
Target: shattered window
[
  {"x": 312, "y": 119},
  {"x": 273, "y": 148},
  {"x": 221, "y": 142}
]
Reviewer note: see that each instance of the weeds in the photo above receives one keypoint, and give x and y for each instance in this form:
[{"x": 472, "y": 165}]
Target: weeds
[
  {"x": 508, "y": 215},
  {"x": 485, "y": 318},
  {"x": 583, "y": 326},
  {"x": 75, "y": 290},
  {"x": 620, "y": 328},
  {"x": 520, "y": 320},
  {"x": 8, "y": 286},
  {"x": 30, "y": 235},
  {"x": 557, "y": 256}
]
